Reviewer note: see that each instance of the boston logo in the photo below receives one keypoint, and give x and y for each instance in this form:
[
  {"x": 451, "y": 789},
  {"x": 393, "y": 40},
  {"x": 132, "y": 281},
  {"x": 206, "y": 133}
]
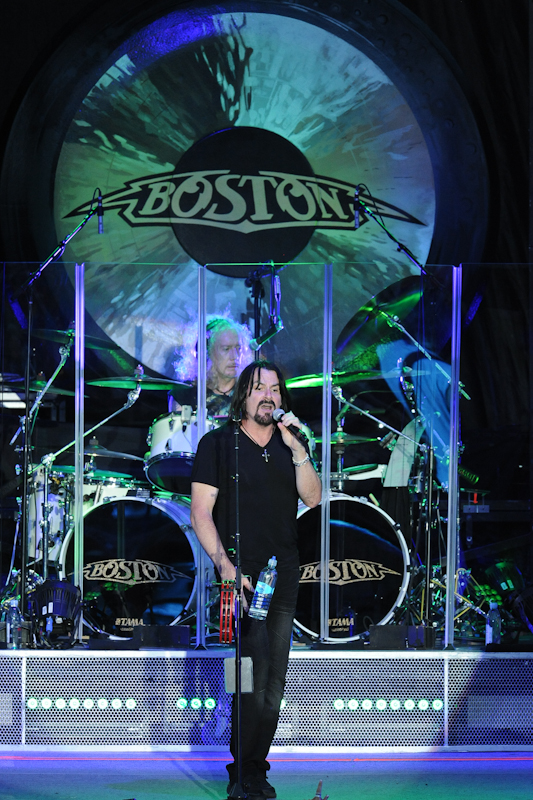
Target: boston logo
[
  {"x": 131, "y": 572},
  {"x": 243, "y": 195},
  {"x": 350, "y": 570}
]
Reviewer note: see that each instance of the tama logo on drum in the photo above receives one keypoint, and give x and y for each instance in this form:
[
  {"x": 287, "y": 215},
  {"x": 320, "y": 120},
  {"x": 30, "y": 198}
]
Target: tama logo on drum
[
  {"x": 132, "y": 573},
  {"x": 350, "y": 570}
]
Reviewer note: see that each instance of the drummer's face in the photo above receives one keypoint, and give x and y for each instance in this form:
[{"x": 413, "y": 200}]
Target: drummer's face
[
  {"x": 264, "y": 397},
  {"x": 225, "y": 354}
]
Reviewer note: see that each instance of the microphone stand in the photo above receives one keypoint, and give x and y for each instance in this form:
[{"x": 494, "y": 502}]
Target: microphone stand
[
  {"x": 27, "y": 286},
  {"x": 237, "y": 792}
]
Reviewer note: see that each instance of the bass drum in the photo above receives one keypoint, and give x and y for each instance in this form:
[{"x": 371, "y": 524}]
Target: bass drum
[
  {"x": 139, "y": 563},
  {"x": 368, "y": 574}
]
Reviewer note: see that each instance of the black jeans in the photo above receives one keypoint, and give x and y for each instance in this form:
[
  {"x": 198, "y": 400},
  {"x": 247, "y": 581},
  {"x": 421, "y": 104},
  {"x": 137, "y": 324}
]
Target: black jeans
[{"x": 268, "y": 643}]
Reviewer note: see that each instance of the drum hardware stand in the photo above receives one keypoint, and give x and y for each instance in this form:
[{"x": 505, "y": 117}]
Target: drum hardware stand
[
  {"x": 393, "y": 321},
  {"x": 25, "y": 428},
  {"x": 133, "y": 396},
  {"x": 337, "y": 393}
]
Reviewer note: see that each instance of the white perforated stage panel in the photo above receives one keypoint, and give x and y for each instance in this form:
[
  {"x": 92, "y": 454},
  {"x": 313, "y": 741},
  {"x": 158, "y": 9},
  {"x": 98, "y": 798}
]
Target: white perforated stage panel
[{"x": 346, "y": 701}]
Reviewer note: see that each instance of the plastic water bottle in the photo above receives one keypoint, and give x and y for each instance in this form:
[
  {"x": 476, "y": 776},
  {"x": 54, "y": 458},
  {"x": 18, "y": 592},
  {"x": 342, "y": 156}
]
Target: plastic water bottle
[
  {"x": 13, "y": 625},
  {"x": 493, "y": 629},
  {"x": 264, "y": 589}
]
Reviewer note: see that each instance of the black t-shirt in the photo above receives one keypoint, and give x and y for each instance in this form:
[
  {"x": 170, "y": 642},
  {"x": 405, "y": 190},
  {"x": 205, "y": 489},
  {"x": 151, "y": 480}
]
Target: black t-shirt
[{"x": 268, "y": 499}]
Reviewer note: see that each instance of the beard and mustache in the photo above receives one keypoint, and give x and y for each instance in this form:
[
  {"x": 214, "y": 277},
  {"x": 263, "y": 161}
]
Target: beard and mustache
[{"x": 263, "y": 417}]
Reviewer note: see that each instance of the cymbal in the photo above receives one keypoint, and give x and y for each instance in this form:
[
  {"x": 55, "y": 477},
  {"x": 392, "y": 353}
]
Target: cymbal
[
  {"x": 37, "y": 386},
  {"x": 338, "y": 378},
  {"x": 145, "y": 382},
  {"x": 102, "y": 452},
  {"x": 339, "y": 437},
  {"x": 64, "y": 337},
  {"x": 357, "y": 343},
  {"x": 96, "y": 474}
]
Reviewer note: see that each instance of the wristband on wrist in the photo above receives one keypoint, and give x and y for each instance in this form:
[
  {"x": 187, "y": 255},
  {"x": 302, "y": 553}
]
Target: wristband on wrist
[{"x": 301, "y": 463}]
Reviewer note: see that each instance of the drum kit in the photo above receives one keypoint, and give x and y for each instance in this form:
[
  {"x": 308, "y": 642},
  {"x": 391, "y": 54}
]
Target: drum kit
[{"x": 140, "y": 554}]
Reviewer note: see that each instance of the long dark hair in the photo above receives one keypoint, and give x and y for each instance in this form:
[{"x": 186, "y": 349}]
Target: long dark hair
[{"x": 245, "y": 384}]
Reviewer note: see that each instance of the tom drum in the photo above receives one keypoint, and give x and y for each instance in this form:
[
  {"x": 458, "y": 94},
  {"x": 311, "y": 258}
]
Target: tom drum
[{"x": 173, "y": 440}]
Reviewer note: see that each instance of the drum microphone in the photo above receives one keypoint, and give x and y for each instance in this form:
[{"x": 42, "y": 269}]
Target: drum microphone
[{"x": 278, "y": 415}]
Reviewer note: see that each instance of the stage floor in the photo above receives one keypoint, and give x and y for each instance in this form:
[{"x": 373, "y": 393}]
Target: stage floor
[{"x": 42, "y": 775}]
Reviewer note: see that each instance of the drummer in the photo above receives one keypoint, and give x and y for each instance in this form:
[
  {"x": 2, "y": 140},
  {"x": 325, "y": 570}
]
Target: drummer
[{"x": 228, "y": 352}]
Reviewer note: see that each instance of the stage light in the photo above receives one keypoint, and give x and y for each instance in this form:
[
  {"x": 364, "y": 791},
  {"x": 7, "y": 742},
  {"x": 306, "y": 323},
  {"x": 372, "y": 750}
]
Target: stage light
[
  {"x": 61, "y": 703},
  {"x": 32, "y": 703},
  {"x": 102, "y": 703},
  {"x": 366, "y": 704},
  {"x": 381, "y": 704},
  {"x": 210, "y": 703},
  {"x": 409, "y": 704},
  {"x": 338, "y": 704},
  {"x": 196, "y": 703},
  {"x": 283, "y": 704},
  {"x": 88, "y": 703},
  {"x": 437, "y": 704},
  {"x": 353, "y": 704},
  {"x": 423, "y": 705},
  {"x": 131, "y": 703},
  {"x": 74, "y": 703},
  {"x": 116, "y": 703},
  {"x": 181, "y": 703},
  {"x": 395, "y": 704},
  {"x": 46, "y": 703}
]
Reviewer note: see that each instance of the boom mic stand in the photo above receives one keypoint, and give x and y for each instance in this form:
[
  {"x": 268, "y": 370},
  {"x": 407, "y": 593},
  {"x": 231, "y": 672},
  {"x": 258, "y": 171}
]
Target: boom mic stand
[{"x": 25, "y": 422}]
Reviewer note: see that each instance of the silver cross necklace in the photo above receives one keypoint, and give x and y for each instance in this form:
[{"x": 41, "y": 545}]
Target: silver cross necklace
[{"x": 265, "y": 454}]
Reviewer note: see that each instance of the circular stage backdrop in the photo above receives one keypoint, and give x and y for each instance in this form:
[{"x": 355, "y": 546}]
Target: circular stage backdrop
[{"x": 239, "y": 135}]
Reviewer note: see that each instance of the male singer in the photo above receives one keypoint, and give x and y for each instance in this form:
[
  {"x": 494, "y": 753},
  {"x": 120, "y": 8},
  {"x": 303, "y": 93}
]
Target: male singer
[{"x": 274, "y": 470}]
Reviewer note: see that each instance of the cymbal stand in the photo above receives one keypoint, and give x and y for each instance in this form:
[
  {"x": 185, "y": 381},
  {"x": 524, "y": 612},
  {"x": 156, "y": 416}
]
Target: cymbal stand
[
  {"x": 394, "y": 322},
  {"x": 64, "y": 352},
  {"x": 337, "y": 393},
  {"x": 133, "y": 396}
]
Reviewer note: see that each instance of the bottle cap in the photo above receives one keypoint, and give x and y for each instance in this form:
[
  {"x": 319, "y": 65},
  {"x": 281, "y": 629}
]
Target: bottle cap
[
  {"x": 493, "y": 604},
  {"x": 272, "y": 562}
]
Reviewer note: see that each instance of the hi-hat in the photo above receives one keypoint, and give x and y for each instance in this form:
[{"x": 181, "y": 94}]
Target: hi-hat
[
  {"x": 144, "y": 381},
  {"x": 102, "y": 452},
  {"x": 373, "y": 325},
  {"x": 65, "y": 337}
]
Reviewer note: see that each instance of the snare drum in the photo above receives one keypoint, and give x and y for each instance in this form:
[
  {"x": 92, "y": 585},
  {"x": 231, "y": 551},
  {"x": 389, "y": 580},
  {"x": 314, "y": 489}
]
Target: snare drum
[
  {"x": 368, "y": 574},
  {"x": 173, "y": 440},
  {"x": 139, "y": 563}
]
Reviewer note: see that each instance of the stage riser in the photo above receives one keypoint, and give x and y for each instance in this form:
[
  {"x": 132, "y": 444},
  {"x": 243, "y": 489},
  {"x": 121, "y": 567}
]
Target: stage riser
[{"x": 345, "y": 700}]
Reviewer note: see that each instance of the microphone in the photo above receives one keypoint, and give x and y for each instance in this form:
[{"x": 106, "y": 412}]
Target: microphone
[
  {"x": 255, "y": 344},
  {"x": 356, "y": 208},
  {"x": 100, "y": 213},
  {"x": 278, "y": 415}
]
